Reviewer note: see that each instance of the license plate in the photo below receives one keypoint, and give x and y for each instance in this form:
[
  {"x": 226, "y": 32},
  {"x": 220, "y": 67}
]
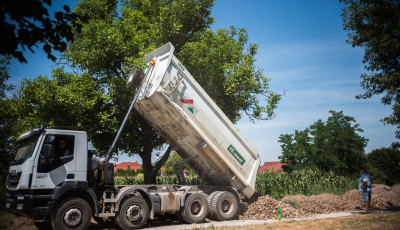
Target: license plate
[{"x": 8, "y": 205}]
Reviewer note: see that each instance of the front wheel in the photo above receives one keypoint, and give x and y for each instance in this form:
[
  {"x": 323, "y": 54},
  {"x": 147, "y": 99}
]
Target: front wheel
[
  {"x": 73, "y": 213},
  {"x": 133, "y": 213}
]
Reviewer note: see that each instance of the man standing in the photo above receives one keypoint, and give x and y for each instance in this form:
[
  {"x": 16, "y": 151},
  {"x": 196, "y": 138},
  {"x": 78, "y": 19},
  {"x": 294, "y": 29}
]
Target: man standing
[{"x": 364, "y": 186}]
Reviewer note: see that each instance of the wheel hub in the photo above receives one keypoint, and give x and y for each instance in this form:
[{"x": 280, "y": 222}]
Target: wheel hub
[
  {"x": 133, "y": 213},
  {"x": 72, "y": 217},
  {"x": 195, "y": 208},
  {"x": 226, "y": 206}
]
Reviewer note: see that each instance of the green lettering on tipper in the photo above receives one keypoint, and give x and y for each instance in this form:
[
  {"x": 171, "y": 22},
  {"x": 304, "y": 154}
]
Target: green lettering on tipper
[{"x": 236, "y": 155}]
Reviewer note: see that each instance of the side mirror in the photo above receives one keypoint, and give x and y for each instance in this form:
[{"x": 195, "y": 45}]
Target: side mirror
[
  {"x": 50, "y": 140},
  {"x": 48, "y": 151}
]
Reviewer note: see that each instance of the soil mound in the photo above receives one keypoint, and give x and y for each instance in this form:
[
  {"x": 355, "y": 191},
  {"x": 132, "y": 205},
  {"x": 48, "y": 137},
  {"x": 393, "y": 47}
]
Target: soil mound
[
  {"x": 383, "y": 196},
  {"x": 265, "y": 207}
]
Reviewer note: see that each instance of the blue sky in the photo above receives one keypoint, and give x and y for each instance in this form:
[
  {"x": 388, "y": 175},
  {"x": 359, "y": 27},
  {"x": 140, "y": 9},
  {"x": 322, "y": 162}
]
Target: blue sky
[{"x": 302, "y": 49}]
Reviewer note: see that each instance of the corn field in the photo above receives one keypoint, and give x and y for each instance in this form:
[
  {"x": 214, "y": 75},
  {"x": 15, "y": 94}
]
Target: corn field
[
  {"x": 274, "y": 184},
  {"x": 305, "y": 182},
  {"x": 133, "y": 180}
]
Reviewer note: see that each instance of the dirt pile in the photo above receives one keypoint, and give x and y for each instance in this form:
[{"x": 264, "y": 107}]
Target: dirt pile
[
  {"x": 383, "y": 196},
  {"x": 265, "y": 207},
  {"x": 13, "y": 222}
]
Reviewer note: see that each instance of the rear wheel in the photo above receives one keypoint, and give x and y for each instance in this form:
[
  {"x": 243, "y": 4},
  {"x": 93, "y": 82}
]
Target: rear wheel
[
  {"x": 209, "y": 200},
  {"x": 195, "y": 209},
  {"x": 73, "y": 213},
  {"x": 133, "y": 213},
  {"x": 224, "y": 206}
]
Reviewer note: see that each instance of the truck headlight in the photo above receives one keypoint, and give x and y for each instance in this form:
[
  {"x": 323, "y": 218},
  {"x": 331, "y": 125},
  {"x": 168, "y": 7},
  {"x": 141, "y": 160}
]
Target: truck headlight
[
  {"x": 20, "y": 206},
  {"x": 20, "y": 197}
]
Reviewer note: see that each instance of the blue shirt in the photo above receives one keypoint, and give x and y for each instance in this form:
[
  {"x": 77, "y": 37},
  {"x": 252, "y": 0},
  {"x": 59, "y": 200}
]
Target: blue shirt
[{"x": 364, "y": 177}]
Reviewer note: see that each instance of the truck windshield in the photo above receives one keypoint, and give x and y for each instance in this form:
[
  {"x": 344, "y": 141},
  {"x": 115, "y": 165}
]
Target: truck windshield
[{"x": 25, "y": 150}]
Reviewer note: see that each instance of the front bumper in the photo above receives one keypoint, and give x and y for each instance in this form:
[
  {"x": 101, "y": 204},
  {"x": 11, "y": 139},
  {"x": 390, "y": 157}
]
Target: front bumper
[{"x": 32, "y": 205}]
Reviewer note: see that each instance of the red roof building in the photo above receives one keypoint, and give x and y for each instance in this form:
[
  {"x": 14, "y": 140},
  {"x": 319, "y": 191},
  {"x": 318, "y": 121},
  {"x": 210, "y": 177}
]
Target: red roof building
[
  {"x": 128, "y": 165},
  {"x": 270, "y": 166}
]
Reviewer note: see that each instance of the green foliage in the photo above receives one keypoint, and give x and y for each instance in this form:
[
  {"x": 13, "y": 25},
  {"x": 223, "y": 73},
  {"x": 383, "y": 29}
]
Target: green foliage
[
  {"x": 375, "y": 26},
  {"x": 172, "y": 160},
  {"x": 64, "y": 99},
  {"x": 169, "y": 179},
  {"x": 7, "y": 123},
  {"x": 224, "y": 65},
  {"x": 305, "y": 182},
  {"x": 333, "y": 145},
  {"x": 27, "y": 24},
  {"x": 383, "y": 166}
]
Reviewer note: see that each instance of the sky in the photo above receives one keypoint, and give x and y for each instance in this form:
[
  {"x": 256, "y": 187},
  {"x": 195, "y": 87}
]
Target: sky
[{"x": 303, "y": 50}]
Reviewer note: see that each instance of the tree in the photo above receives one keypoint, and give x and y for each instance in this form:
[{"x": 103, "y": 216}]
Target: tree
[
  {"x": 333, "y": 145},
  {"x": 384, "y": 165},
  {"x": 296, "y": 150},
  {"x": 26, "y": 24},
  {"x": 113, "y": 39},
  {"x": 64, "y": 99},
  {"x": 375, "y": 26},
  {"x": 224, "y": 65},
  {"x": 115, "y": 36},
  {"x": 7, "y": 120}
]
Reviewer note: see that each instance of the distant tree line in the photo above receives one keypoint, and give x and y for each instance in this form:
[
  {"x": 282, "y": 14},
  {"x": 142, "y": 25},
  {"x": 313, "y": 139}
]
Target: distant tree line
[{"x": 336, "y": 145}]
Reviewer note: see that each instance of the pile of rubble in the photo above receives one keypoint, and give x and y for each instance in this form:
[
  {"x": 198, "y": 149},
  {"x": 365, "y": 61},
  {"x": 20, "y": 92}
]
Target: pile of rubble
[
  {"x": 383, "y": 197},
  {"x": 265, "y": 207}
]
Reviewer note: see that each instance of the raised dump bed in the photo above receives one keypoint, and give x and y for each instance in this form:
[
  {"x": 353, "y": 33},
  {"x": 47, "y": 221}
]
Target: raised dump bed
[{"x": 183, "y": 113}]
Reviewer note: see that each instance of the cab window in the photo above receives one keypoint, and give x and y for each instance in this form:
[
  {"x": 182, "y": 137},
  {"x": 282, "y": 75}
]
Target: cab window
[{"x": 63, "y": 153}]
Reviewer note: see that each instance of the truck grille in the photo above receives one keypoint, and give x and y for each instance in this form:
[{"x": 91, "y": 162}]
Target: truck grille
[{"x": 13, "y": 180}]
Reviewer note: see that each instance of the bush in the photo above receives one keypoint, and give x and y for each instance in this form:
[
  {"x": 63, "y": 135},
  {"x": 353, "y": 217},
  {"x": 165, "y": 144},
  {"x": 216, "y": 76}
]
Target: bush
[{"x": 306, "y": 182}]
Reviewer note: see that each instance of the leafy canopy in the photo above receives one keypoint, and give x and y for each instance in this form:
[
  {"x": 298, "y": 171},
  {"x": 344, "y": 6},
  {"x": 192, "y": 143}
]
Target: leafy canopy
[
  {"x": 333, "y": 145},
  {"x": 384, "y": 165},
  {"x": 375, "y": 26},
  {"x": 25, "y": 24},
  {"x": 224, "y": 65}
]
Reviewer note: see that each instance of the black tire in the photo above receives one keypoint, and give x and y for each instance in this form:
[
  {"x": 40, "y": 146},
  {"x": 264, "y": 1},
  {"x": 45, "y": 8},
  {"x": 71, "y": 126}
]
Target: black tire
[
  {"x": 209, "y": 200},
  {"x": 43, "y": 225},
  {"x": 73, "y": 213},
  {"x": 224, "y": 206},
  {"x": 195, "y": 209},
  {"x": 137, "y": 209}
]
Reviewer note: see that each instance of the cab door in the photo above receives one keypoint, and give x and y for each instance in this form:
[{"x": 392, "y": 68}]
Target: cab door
[{"x": 55, "y": 168}]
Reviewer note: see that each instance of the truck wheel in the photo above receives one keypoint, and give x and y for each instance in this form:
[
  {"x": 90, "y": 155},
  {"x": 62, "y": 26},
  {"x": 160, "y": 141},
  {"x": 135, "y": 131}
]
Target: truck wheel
[
  {"x": 195, "y": 209},
  {"x": 209, "y": 200},
  {"x": 224, "y": 206},
  {"x": 73, "y": 213},
  {"x": 133, "y": 213}
]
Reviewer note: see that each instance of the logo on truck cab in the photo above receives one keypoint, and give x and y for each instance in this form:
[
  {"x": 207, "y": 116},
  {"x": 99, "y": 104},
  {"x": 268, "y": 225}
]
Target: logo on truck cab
[{"x": 236, "y": 155}]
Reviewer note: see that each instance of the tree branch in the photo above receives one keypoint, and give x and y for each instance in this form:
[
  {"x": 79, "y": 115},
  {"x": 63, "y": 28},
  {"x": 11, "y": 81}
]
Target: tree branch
[{"x": 163, "y": 159}]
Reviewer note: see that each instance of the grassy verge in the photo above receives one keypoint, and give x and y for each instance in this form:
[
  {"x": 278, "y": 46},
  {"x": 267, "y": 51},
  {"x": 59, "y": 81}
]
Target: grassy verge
[{"x": 368, "y": 222}]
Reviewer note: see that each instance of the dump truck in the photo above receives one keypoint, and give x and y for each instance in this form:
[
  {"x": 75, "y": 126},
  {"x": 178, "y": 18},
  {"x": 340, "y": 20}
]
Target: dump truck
[{"x": 64, "y": 191}]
